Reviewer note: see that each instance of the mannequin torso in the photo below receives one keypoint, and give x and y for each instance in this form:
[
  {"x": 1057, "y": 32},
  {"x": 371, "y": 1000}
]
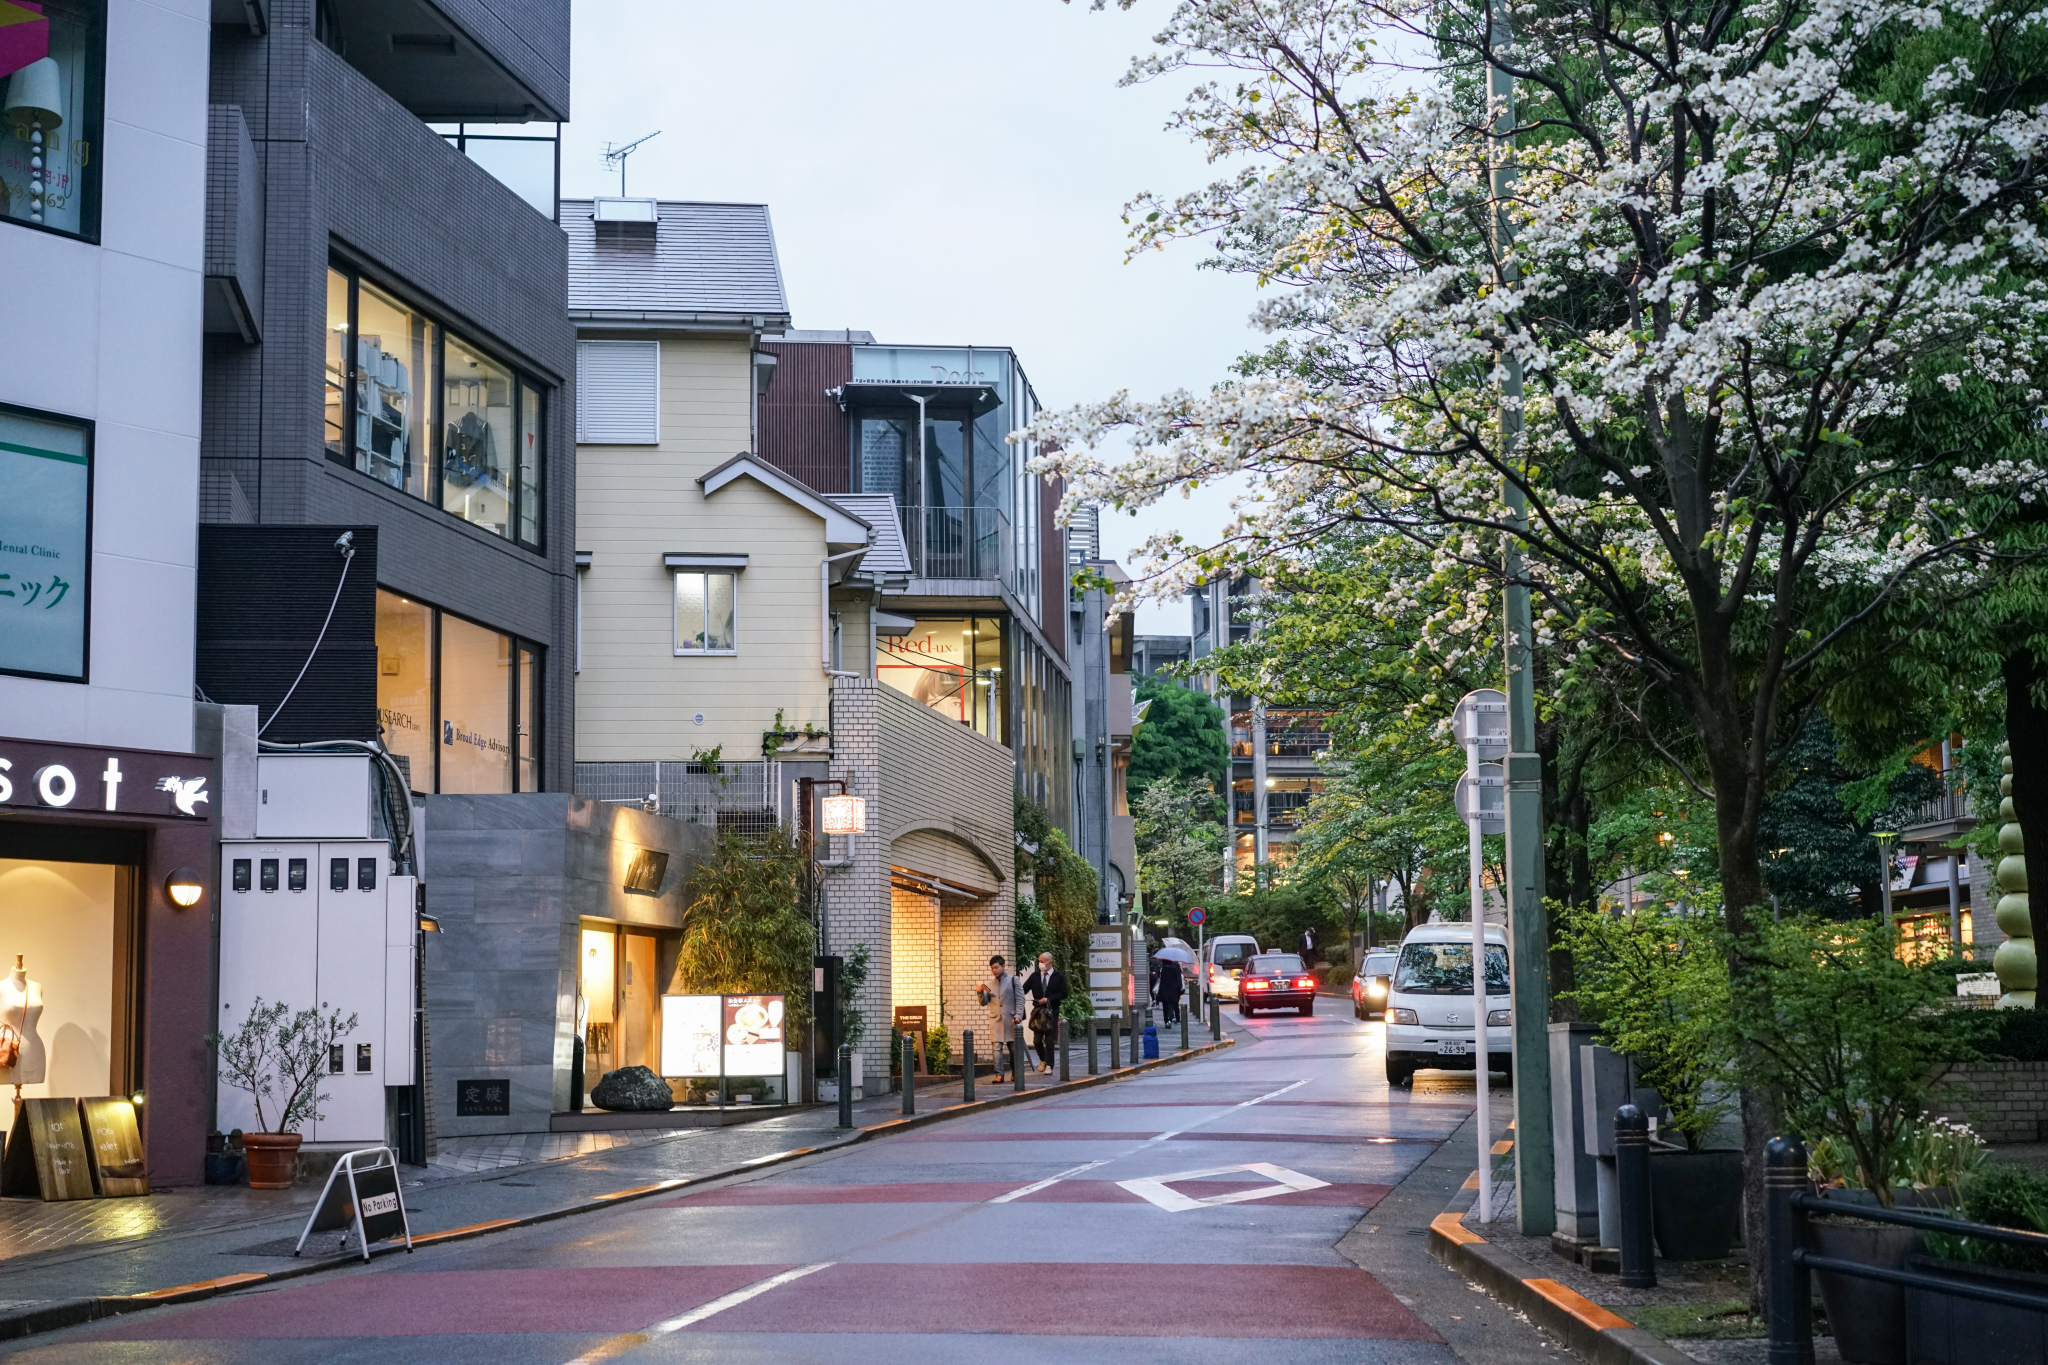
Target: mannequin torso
[{"x": 21, "y": 1004}]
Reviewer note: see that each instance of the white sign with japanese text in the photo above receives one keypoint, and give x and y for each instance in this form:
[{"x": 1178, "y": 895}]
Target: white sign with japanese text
[{"x": 45, "y": 519}]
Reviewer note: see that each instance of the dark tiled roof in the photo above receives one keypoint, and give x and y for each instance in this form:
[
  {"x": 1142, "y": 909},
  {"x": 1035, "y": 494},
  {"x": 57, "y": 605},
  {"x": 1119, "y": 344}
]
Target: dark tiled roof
[{"x": 706, "y": 262}]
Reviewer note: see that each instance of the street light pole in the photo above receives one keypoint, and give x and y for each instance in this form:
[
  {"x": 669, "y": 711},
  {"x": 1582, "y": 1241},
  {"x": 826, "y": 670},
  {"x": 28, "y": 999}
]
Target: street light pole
[
  {"x": 1528, "y": 922},
  {"x": 1885, "y": 840}
]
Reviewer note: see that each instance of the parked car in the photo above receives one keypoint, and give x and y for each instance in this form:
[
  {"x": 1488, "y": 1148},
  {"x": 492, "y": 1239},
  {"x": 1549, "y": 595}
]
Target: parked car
[
  {"x": 1225, "y": 956},
  {"x": 1276, "y": 981},
  {"x": 1429, "y": 1003},
  {"x": 1369, "y": 987}
]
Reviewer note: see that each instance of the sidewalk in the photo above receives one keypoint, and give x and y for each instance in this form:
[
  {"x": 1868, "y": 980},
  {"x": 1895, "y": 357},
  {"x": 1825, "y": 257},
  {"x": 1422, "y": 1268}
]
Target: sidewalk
[{"x": 71, "y": 1262}]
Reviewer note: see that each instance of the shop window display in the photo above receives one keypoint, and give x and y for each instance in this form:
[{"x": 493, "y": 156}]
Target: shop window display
[
  {"x": 954, "y": 666},
  {"x": 460, "y": 701},
  {"x": 65, "y": 930},
  {"x": 51, "y": 59}
]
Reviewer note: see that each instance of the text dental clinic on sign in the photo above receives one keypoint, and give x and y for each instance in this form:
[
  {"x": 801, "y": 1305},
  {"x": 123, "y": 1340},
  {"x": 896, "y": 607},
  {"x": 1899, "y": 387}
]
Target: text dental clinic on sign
[{"x": 77, "y": 777}]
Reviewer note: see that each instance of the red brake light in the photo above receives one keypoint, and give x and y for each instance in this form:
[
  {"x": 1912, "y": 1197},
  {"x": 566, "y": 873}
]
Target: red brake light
[
  {"x": 1258, "y": 985},
  {"x": 1306, "y": 981}
]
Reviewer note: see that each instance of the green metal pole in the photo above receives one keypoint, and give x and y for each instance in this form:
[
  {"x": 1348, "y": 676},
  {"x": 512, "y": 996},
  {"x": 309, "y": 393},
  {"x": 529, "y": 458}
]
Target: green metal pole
[{"x": 1528, "y": 923}]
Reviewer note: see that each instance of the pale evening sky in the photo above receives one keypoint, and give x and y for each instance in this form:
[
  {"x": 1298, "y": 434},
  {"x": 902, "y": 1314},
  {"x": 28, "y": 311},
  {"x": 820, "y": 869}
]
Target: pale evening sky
[{"x": 938, "y": 172}]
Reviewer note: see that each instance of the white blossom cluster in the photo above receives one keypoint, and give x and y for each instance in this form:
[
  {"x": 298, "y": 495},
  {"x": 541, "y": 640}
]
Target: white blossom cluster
[{"x": 1729, "y": 269}]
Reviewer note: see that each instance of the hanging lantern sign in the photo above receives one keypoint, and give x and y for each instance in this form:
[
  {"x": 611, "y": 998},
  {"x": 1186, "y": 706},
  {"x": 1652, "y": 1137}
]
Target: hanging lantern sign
[{"x": 844, "y": 815}]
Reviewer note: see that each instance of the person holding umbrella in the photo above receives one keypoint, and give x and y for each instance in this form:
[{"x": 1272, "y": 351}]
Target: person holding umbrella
[{"x": 1171, "y": 958}]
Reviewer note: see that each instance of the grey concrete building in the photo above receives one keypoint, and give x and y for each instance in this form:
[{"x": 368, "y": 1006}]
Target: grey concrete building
[{"x": 387, "y": 347}]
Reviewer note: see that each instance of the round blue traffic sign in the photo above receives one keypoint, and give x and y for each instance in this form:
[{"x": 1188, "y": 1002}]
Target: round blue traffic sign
[{"x": 1197, "y": 915}]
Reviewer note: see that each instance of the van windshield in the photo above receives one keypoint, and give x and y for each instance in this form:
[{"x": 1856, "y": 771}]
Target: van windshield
[
  {"x": 1231, "y": 954},
  {"x": 1446, "y": 969}
]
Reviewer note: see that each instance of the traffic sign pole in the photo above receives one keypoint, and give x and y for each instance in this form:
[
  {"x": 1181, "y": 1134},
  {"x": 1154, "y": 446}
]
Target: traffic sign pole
[{"x": 1481, "y": 726}]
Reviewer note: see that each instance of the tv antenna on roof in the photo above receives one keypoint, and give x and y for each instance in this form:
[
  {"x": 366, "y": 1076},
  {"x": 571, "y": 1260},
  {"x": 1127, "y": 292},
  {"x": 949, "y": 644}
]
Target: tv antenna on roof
[{"x": 615, "y": 157}]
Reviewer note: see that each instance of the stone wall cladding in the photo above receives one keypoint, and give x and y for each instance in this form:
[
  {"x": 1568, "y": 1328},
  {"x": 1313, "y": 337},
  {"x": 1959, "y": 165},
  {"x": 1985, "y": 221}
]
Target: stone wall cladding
[{"x": 2003, "y": 1101}]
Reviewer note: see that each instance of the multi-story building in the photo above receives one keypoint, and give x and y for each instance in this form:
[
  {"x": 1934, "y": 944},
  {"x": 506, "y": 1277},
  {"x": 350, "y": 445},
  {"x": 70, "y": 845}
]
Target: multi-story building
[
  {"x": 1102, "y": 655},
  {"x": 1274, "y": 772},
  {"x": 762, "y": 617},
  {"x": 105, "y": 807}
]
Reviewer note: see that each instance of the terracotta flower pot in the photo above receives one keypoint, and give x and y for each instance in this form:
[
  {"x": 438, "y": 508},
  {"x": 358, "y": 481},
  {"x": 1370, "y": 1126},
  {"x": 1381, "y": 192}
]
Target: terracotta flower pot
[{"x": 273, "y": 1159}]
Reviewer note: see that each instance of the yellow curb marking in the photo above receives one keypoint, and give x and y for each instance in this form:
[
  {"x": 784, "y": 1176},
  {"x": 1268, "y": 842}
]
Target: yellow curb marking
[
  {"x": 1578, "y": 1305},
  {"x": 447, "y": 1233},
  {"x": 1450, "y": 1225},
  {"x": 224, "y": 1282}
]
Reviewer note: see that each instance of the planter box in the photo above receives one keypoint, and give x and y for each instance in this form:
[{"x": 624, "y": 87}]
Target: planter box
[
  {"x": 1949, "y": 1329},
  {"x": 1868, "y": 1317},
  {"x": 1695, "y": 1203}
]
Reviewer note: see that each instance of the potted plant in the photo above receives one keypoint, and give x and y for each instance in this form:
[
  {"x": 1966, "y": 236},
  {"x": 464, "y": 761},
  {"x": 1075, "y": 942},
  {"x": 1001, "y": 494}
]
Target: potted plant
[
  {"x": 276, "y": 1053},
  {"x": 1952, "y": 1329},
  {"x": 1855, "y": 1040},
  {"x": 1655, "y": 985}
]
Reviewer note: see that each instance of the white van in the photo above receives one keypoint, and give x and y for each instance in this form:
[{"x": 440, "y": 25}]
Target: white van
[
  {"x": 1224, "y": 957},
  {"x": 1429, "y": 1003}
]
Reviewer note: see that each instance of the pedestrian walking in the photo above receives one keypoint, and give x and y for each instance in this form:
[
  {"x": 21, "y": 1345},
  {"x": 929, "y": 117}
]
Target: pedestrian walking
[
  {"x": 1003, "y": 994},
  {"x": 1170, "y": 988},
  {"x": 1047, "y": 985}
]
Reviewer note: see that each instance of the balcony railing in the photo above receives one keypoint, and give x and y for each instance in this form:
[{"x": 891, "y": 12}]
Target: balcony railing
[
  {"x": 748, "y": 797},
  {"x": 957, "y": 542},
  {"x": 1948, "y": 808}
]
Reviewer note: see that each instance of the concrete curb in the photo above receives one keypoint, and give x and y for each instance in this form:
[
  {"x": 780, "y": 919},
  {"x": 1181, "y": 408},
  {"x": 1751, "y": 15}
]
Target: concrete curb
[
  {"x": 1591, "y": 1331},
  {"x": 49, "y": 1317}
]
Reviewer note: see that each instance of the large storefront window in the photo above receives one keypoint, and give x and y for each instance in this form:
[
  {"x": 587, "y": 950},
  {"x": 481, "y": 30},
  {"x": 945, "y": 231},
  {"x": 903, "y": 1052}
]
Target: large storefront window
[
  {"x": 67, "y": 932},
  {"x": 953, "y": 665},
  {"x": 52, "y": 57},
  {"x": 45, "y": 543},
  {"x": 459, "y": 700},
  {"x": 431, "y": 414}
]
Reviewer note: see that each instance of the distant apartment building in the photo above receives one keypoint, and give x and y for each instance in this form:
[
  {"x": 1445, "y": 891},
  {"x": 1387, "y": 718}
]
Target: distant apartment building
[
  {"x": 1103, "y": 716},
  {"x": 788, "y": 587}
]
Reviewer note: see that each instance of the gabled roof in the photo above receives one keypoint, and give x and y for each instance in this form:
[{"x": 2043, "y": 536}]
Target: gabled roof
[
  {"x": 843, "y": 529},
  {"x": 707, "y": 264},
  {"x": 890, "y": 557}
]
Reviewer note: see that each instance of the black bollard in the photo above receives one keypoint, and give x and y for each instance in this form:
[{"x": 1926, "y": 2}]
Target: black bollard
[
  {"x": 909, "y": 1050},
  {"x": 967, "y": 1066},
  {"x": 1094, "y": 1029},
  {"x": 1017, "y": 1054},
  {"x": 1215, "y": 1019},
  {"x": 1788, "y": 1289},
  {"x": 1183, "y": 1012},
  {"x": 1116, "y": 1041},
  {"x": 846, "y": 1085},
  {"x": 1632, "y": 1172},
  {"x": 1064, "y": 1077}
]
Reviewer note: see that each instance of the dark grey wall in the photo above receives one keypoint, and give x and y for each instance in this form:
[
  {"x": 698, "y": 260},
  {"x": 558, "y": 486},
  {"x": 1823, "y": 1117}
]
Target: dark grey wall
[
  {"x": 510, "y": 878},
  {"x": 347, "y": 169}
]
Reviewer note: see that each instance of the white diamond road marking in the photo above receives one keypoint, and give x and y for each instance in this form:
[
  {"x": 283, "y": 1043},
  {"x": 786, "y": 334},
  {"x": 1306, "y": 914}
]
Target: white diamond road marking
[{"x": 1155, "y": 1189}]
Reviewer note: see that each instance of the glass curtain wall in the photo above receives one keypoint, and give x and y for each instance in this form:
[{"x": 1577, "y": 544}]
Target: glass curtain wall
[
  {"x": 431, "y": 414},
  {"x": 460, "y": 701}
]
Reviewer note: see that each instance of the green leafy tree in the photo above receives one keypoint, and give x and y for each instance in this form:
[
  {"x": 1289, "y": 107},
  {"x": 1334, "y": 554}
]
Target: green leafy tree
[
  {"x": 1181, "y": 736},
  {"x": 1180, "y": 845},
  {"x": 745, "y": 930},
  {"x": 1065, "y": 890},
  {"x": 278, "y": 1051}
]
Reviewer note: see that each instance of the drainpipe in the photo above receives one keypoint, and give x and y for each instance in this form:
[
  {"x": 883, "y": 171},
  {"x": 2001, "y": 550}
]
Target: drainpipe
[{"x": 825, "y": 604}]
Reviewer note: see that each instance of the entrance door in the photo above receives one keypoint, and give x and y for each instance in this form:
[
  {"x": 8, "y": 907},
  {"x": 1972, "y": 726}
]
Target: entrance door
[
  {"x": 600, "y": 997},
  {"x": 639, "y": 997}
]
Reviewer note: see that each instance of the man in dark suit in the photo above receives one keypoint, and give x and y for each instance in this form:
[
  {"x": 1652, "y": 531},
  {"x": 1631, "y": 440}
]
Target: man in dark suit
[{"x": 1047, "y": 988}]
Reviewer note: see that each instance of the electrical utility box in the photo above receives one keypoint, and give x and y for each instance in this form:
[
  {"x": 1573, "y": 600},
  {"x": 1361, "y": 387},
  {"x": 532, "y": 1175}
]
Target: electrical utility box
[{"x": 322, "y": 925}]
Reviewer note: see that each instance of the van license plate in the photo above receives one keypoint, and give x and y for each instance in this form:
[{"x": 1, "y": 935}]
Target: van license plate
[{"x": 1452, "y": 1049}]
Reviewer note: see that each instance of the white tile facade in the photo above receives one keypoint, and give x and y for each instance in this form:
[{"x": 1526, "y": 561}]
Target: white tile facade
[{"x": 117, "y": 329}]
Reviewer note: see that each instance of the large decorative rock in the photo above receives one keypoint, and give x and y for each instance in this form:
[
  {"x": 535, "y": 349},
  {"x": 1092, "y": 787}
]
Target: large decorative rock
[{"x": 633, "y": 1089}]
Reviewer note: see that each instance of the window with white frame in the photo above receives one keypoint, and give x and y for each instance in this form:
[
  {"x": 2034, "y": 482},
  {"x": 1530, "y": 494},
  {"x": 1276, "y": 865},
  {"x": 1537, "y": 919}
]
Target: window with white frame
[
  {"x": 618, "y": 388},
  {"x": 705, "y": 611}
]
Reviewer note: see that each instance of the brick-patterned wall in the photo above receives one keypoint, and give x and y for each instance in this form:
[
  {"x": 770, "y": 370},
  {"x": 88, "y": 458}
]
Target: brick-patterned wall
[
  {"x": 857, "y": 896},
  {"x": 2003, "y": 1101},
  {"x": 914, "y": 951}
]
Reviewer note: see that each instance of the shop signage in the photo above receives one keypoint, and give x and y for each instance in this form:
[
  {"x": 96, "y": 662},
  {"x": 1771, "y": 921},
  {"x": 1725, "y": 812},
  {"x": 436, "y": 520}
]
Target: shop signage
[
  {"x": 46, "y": 1153},
  {"x": 487, "y": 1098},
  {"x": 707, "y": 1037},
  {"x": 689, "y": 1037},
  {"x": 116, "y": 1146},
  {"x": 40, "y": 775},
  {"x": 45, "y": 545},
  {"x": 753, "y": 1035}
]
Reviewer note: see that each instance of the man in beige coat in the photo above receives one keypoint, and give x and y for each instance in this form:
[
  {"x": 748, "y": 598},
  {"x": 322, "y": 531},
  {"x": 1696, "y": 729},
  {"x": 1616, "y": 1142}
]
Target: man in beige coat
[{"x": 1004, "y": 995}]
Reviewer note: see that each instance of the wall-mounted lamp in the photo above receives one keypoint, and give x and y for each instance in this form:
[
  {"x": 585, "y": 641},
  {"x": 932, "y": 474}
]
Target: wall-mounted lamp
[
  {"x": 136, "y": 1098},
  {"x": 843, "y": 815},
  {"x": 429, "y": 925},
  {"x": 185, "y": 888}
]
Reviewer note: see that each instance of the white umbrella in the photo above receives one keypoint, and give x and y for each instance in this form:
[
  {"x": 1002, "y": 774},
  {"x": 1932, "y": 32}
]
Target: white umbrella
[{"x": 1174, "y": 952}]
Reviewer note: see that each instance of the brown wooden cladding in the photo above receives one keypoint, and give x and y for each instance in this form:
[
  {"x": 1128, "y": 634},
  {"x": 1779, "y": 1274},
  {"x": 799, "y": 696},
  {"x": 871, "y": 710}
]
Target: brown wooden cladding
[
  {"x": 803, "y": 432},
  {"x": 1052, "y": 559}
]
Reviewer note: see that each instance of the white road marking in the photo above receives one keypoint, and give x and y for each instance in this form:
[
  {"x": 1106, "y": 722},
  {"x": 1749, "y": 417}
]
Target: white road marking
[
  {"x": 1154, "y": 1188},
  {"x": 630, "y": 1341},
  {"x": 1048, "y": 1181}
]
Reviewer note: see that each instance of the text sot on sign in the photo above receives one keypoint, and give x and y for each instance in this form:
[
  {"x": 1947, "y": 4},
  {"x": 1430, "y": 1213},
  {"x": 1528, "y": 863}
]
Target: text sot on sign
[{"x": 77, "y": 777}]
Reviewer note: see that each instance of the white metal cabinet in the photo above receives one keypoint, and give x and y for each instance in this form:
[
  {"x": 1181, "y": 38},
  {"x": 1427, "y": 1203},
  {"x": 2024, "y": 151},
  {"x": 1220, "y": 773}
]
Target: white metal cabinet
[
  {"x": 353, "y": 887},
  {"x": 269, "y": 948}
]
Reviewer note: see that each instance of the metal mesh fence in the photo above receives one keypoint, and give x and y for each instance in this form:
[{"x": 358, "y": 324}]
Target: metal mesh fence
[{"x": 747, "y": 797}]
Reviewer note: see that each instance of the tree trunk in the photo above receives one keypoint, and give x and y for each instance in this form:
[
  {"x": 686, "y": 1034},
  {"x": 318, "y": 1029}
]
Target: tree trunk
[{"x": 2026, "y": 732}]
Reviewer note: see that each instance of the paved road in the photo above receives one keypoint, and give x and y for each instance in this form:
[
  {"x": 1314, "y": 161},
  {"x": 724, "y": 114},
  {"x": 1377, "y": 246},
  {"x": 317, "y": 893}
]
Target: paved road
[{"x": 1204, "y": 1203}]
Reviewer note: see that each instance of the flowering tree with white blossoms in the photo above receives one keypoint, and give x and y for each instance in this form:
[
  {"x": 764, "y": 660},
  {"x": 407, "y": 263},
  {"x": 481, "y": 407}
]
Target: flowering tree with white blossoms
[{"x": 1754, "y": 261}]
